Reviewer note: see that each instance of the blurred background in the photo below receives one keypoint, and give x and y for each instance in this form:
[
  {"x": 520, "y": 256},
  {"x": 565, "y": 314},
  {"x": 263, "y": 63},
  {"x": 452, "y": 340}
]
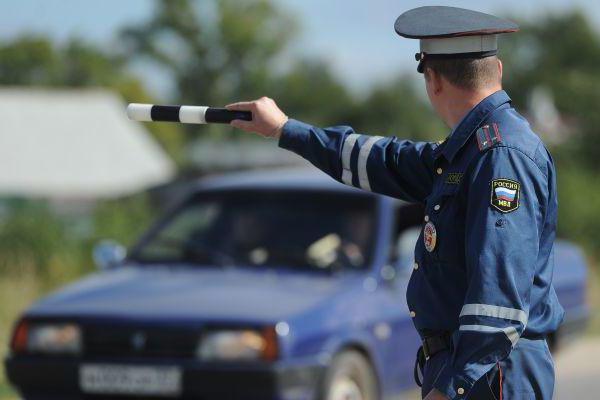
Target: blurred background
[{"x": 74, "y": 171}]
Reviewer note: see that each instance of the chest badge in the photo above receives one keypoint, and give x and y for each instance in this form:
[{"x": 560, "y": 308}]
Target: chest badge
[
  {"x": 454, "y": 178},
  {"x": 505, "y": 195},
  {"x": 429, "y": 236}
]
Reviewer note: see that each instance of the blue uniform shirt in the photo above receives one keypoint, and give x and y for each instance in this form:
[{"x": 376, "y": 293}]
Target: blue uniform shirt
[{"x": 484, "y": 260}]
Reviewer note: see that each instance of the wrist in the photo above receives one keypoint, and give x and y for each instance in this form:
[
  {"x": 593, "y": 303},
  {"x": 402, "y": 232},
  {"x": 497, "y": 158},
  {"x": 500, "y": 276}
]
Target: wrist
[{"x": 276, "y": 133}]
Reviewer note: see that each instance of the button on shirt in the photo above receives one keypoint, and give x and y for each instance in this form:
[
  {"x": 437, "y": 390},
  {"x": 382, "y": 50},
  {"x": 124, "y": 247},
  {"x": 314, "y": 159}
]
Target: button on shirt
[{"x": 485, "y": 262}]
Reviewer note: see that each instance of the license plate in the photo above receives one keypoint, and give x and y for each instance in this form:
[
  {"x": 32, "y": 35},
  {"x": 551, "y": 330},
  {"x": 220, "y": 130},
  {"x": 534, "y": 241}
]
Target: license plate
[{"x": 130, "y": 380}]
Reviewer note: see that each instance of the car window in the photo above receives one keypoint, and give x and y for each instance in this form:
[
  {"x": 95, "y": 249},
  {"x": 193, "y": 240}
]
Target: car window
[
  {"x": 318, "y": 230},
  {"x": 405, "y": 247},
  {"x": 407, "y": 229}
]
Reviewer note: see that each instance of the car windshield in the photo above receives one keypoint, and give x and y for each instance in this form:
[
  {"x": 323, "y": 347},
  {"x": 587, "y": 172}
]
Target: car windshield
[{"x": 276, "y": 229}]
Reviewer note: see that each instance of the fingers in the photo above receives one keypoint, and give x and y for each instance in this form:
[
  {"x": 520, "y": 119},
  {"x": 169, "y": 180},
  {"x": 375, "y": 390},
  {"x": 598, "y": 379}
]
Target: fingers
[
  {"x": 241, "y": 106},
  {"x": 247, "y": 126},
  {"x": 249, "y": 105}
]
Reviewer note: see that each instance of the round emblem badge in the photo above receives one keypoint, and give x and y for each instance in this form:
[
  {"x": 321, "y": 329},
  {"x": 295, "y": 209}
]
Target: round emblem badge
[{"x": 429, "y": 236}]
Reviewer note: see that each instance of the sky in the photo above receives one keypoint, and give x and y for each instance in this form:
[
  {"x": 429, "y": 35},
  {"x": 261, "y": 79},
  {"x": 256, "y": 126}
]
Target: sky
[{"x": 355, "y": 37}]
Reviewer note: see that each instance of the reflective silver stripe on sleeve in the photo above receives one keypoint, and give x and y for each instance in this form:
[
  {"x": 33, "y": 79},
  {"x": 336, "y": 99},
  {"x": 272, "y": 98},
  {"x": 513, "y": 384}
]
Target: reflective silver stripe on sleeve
[
  {"x": 346, "y": 154},
  {"x": 510, "y": 332},
  {"x": 363, "y": 157},
  {"x": 487, "y": 310}
]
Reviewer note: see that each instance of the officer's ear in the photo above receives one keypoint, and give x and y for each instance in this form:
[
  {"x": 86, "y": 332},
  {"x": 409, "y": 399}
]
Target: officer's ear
[
  {"x": 500, "y": 68},
  {"x": 433, "y": 81}
]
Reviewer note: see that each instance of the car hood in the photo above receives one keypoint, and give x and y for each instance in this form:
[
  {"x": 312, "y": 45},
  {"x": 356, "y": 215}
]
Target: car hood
[{"x": 205, "y": 294}]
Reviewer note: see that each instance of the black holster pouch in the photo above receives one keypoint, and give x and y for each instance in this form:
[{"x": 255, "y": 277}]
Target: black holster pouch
[
  {"x": 419, "y": 366},
  {"x": 432, "y": 344}
]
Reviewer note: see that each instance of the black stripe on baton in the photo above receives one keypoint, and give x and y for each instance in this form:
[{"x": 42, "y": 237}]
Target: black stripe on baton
[
  {"x": 224, "y": 116},
  {"x": 165, "y": 113}
]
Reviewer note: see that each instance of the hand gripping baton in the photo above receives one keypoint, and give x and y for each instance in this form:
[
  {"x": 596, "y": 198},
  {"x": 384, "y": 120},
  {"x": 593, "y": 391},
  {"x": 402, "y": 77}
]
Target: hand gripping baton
[{"x": 185, "y": 114}]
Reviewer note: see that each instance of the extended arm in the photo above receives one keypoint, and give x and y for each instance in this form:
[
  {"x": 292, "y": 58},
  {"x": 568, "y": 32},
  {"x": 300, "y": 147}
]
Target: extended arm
[{"x": 398, "y": 168}]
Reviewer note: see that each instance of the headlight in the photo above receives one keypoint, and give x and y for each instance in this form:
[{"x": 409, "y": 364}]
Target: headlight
[
  {"x": 47, "y": 338},
  {"x": 235, "y": 345}
]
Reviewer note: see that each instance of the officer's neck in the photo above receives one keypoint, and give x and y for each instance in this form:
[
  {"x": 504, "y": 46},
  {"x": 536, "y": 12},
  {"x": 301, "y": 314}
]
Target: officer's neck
[{"x": 460, "y": 102}]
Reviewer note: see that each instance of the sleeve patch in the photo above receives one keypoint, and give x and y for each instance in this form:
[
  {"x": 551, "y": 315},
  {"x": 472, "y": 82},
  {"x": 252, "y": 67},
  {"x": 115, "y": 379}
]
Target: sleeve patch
[{"x": 505, "y": 195}]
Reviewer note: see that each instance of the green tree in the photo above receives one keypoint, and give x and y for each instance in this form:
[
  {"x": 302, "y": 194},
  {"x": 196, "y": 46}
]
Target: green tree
[
  {"x": 561, "y": 54},
  {"x": 219, "y": 51},
  {"x": 214, "y": 51},
  {"x": 29, "y": 61},
  {"x": 396, "y": 108},
  {"x": 36, "y": 61}
]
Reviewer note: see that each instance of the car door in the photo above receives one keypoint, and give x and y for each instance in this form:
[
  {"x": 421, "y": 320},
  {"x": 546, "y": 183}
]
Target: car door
[{"x": 399, "y": 356}]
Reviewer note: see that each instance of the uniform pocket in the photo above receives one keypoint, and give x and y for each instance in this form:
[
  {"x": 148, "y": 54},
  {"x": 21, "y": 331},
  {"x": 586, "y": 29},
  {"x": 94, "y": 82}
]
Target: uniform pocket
[{"x": 443, "y": 212}]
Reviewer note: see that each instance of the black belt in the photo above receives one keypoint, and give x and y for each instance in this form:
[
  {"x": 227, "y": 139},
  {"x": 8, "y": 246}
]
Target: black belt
[
  {"x": 435, "y": 344},
  {"x": 432, "y": 344}
]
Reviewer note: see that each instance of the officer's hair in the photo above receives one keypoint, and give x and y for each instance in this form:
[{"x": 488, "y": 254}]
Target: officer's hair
[{"x": 469, "y": 74}]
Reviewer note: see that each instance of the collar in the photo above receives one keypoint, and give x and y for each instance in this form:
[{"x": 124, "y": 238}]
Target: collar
[{"x": 463, "y": 131}]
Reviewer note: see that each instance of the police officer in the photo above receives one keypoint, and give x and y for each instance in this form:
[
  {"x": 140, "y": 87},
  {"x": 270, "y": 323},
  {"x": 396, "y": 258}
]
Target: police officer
[{"x": 481, "y": 294}]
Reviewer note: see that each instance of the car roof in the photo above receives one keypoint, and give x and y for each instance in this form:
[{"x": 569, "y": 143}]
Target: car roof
[{"x": 304, "y": 178}]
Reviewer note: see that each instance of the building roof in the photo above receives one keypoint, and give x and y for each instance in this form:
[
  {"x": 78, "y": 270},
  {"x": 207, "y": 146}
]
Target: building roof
[{"x": 74, "y": 144}]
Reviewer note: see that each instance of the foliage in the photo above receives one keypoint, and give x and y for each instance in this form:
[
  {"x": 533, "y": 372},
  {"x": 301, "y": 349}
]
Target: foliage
[
  {"x": 397, "y": 109},
  {"x": 36, "y": 61},
  {"x": 311, "y": 92},
  {"x": 36, "y": 238},
  {"x": 33, "y": 239},
  {"x": 123, "y": 220},
  {"x": 41, "y": 250},
  {"x": 218, "y": 51},
  {"x": 568, "y": 69},
  {"x": 579, "y": 203},
  {"x": 561, "y": 54},
  {"x": 214, "y": 51}
]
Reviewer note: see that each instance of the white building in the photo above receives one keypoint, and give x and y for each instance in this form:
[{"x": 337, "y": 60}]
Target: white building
[{"x": 74, "y": 145}]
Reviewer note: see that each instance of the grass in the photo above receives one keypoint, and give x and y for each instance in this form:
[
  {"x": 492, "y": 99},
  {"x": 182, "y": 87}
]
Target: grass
[{"x": 16, "y": 293}]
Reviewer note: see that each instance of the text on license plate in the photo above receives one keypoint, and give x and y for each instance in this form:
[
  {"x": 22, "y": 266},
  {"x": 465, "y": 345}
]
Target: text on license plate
[{"x": 132, "y": 380}]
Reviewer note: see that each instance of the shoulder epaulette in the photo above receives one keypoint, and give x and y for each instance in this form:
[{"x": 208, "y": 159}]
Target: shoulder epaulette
[{"x": 488, "y": 136}]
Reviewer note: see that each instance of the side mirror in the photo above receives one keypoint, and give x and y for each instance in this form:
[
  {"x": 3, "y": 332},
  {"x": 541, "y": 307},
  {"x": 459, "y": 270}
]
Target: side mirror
[
  {"x": 388, "y": 273},
  {"x": 108, "y": 254}
]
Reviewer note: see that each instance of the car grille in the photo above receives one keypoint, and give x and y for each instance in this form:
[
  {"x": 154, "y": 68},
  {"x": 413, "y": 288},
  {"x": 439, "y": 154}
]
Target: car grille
[{"x": 147, "y": 342}]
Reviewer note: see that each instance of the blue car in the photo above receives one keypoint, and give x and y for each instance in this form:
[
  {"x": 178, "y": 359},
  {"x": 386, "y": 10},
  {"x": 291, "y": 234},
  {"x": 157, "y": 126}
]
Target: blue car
[{"x": 271, "y": 285}]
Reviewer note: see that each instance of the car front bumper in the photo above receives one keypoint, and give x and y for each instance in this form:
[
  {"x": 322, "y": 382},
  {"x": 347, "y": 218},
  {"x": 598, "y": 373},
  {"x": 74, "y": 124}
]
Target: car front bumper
[{"x": 58, "y": 378}]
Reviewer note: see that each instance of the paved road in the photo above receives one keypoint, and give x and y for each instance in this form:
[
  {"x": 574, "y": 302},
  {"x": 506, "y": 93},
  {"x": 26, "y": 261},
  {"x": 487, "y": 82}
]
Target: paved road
[{"x": 578, "y": 370}]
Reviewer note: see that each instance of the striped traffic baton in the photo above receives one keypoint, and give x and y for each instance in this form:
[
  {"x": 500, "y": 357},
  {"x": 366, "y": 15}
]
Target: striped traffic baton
[{"x": 185, "y": 114}]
